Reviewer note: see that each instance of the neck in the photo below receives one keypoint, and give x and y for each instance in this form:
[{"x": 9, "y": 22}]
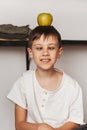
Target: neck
[
  {"x": 49, "y": 80},
  {"x": 45, "y": 73}
]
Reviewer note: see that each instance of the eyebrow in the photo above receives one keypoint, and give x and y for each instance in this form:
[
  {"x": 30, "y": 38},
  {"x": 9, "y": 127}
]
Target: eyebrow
[
  {"x": 42, "y": 44},
  {"x": 37, "y": 44}
]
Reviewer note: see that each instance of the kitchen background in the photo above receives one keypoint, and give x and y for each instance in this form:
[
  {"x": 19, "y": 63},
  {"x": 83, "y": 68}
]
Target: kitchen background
[{"x": 70, "y": 18}]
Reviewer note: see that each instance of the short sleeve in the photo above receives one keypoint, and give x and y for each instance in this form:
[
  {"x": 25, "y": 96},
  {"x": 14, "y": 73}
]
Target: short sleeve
[
  {"x": 76, "y": 106},
  {"x": 17, "y": 93}
]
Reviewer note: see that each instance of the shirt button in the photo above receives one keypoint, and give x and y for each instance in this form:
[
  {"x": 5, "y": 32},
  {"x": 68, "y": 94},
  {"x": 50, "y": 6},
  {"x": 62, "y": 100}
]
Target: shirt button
[
  {"x": 44, "y": 99},
  {"x": 42, "y": 105},
  {"x": 45, "y": 93}
]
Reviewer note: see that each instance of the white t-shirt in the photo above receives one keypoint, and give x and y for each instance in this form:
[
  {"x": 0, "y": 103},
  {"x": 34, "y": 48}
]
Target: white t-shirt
[{"x": 52, "y": 107}]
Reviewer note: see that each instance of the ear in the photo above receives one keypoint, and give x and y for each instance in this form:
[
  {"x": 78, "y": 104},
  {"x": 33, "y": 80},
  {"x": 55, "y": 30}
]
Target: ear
[
  {"x": 60, "y": 52},
  {"x": 30, "y": 53}
]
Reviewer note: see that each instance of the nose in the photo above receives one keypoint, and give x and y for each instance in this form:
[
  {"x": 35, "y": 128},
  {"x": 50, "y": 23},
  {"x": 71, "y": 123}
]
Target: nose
[{"x": 45, "y": 52}]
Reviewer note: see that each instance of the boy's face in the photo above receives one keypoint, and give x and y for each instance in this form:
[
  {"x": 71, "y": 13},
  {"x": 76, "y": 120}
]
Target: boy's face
[{"x": 45, "y": 52}]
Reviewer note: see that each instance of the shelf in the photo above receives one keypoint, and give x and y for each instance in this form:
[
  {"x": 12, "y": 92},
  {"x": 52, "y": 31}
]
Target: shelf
[
  {"x": 14, "y": 42},
  {"x": 74, "y": 42}
]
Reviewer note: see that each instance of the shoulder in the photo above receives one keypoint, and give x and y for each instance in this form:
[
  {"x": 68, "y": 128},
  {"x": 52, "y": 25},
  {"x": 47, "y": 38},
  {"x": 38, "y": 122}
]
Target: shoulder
[
  {"x": 28, "y": 73},
  {"x": 71, "y": 83},
  {"x": 71, "y": 88},
  {"x": 68, "y": 81},
  {"x": 25, "y": 80}
]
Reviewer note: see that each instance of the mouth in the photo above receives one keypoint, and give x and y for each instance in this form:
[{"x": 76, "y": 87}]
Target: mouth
[{"x": 45, "y": 60}]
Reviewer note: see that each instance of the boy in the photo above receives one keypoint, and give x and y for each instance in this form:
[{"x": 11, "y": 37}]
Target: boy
[{"x": 46, "y": 98}]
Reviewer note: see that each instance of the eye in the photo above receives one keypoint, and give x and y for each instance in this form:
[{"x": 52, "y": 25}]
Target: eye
[
  {"x": 51, "y": 48},
  {"x": 39, "y": 48}
]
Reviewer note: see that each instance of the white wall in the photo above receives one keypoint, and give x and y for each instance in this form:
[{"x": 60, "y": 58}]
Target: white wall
[
  {"x": 12, "y": 64},
  {"x": 69, "y": 17}
]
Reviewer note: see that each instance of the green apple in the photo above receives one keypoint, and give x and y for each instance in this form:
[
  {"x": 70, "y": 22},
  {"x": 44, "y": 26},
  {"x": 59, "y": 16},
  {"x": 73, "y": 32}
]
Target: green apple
[{"x": 44, "y": 19}]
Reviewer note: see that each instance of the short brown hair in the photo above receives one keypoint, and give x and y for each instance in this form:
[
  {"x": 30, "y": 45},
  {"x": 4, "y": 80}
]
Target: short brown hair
[{"x": 47, "y": 31}]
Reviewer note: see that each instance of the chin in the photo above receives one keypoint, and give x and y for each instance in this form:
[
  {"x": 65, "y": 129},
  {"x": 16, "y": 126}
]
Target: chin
[{"x": 46, "y": 68}]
